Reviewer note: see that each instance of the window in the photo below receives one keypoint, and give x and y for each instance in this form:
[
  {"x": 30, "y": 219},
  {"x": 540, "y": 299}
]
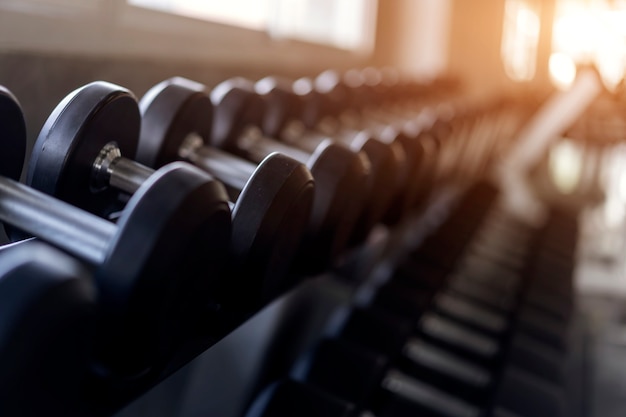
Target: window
[
  {"x": 346, "y": 24},
  {"x": 233, "y": 33},
  {"x": 591, "y": 32},
  {"x": 520, "y": 37},
  {"x": 253, "y": 14}
]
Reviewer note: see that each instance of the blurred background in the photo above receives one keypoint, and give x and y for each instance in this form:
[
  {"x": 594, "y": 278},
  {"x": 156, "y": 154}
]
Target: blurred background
[{"x": 572, "y": 53}]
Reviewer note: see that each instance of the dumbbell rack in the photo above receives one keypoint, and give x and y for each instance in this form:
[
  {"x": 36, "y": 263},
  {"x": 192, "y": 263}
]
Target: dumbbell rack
[
  {"x": 488, "y": 300},
  {"x": 225, "y": 379}
]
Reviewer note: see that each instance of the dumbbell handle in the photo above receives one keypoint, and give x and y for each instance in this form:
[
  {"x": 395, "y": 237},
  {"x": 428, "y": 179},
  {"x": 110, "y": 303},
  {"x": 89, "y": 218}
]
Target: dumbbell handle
[
  {"x": 111, "y": 169},
  {"x": 128, "y": 175},
  {"x": 257, "y": 146},
  {"x": 229, "y": 169},
  {"x": 78, "y": 232}
]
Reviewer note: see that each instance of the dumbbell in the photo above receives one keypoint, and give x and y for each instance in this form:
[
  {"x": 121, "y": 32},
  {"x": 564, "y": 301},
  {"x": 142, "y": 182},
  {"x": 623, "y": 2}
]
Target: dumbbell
[
  {"x": 150, "y": 268},
  {"x": 47, "y": 313},
  {"x": 363, "y": 91},
  {"x": 237, "y": 110},
  {"x": 345, "y": 175},
  {"x": 387, "y": 161},
  {"x": 289, "y": 121},
  {"x": 273, "y": 198},
  {"x": 472, "y": 131},
  {"x": 353, "y": 98},
  {"x": 409, "y": 107},
  {"x": 280, "y": 113},
  {"x": 357, "y": 108},
  {"x": 268, "y": 217}
]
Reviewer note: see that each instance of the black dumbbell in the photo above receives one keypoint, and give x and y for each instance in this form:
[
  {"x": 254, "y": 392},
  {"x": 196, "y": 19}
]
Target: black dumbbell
[
  {"x": 387, "y": 161},
  {"x": 377, "y": 100},
  {"x": 352, "y": 98},
  {"x": 360, "y": 97},
  {"x": 47, "y": 314},
  {"x": 338, "y": 173},
  {"x": 363, "y": 89},
  {"x": 273, "y": 198},
  {"x": 151, "y": 269},
  {"x": 244, "y": 110}
]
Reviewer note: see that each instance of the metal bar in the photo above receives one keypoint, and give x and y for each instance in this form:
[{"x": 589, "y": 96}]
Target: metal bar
[
  {"x": 229, "y": 169},
  {"x": 265, "y": 146},
  {"x": 128, "y": 175},
  {"x": 78, "y": 232}
]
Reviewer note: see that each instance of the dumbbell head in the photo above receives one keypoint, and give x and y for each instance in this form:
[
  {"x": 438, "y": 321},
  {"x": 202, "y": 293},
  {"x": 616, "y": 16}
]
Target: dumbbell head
[
  {"x": 71, "y": 140},
  {"x": 365, "y": 86},
  {"x": 359, "y": 89},
  {"x": 341, "y": 177},
  {"x": 330, "y": 84},
  {"x": 339, "y": 174},
  {"x": 385, "y": 160},
  {"x": 236, "y": 109},
  {"x": 281, "y": 105},
  {"x": 271, "y": 211},
  {"x": 13, "y": 135},
  {"x": 164, "y": 257},
  {"x": 47, "y": 313},
  {"x": 316, "y": 107}
]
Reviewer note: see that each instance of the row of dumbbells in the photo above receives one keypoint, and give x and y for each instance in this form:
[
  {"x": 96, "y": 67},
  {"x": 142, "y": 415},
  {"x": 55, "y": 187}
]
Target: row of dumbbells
[
  {"x": 177, "y": 254},
  {"x": 475, "y": 322}
]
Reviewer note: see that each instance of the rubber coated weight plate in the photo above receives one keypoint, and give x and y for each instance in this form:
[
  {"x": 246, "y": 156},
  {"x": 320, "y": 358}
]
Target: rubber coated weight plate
[
  {"x": 341, "y": 179},
  {"x": 12, "y": 137},
  {"x": 163, "y": 268},
  {"x": 71, "y": 139},
  {"x": 170, "y": 111},
  {"x": 281, "y": 104},
  {"x": 384, "y": 163},
  {"x": 404, "y": 199},
  {"x": 47, "y": 312},
  {"x": 231, "y": 115},
  {"x": 275, "y": 202}
]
